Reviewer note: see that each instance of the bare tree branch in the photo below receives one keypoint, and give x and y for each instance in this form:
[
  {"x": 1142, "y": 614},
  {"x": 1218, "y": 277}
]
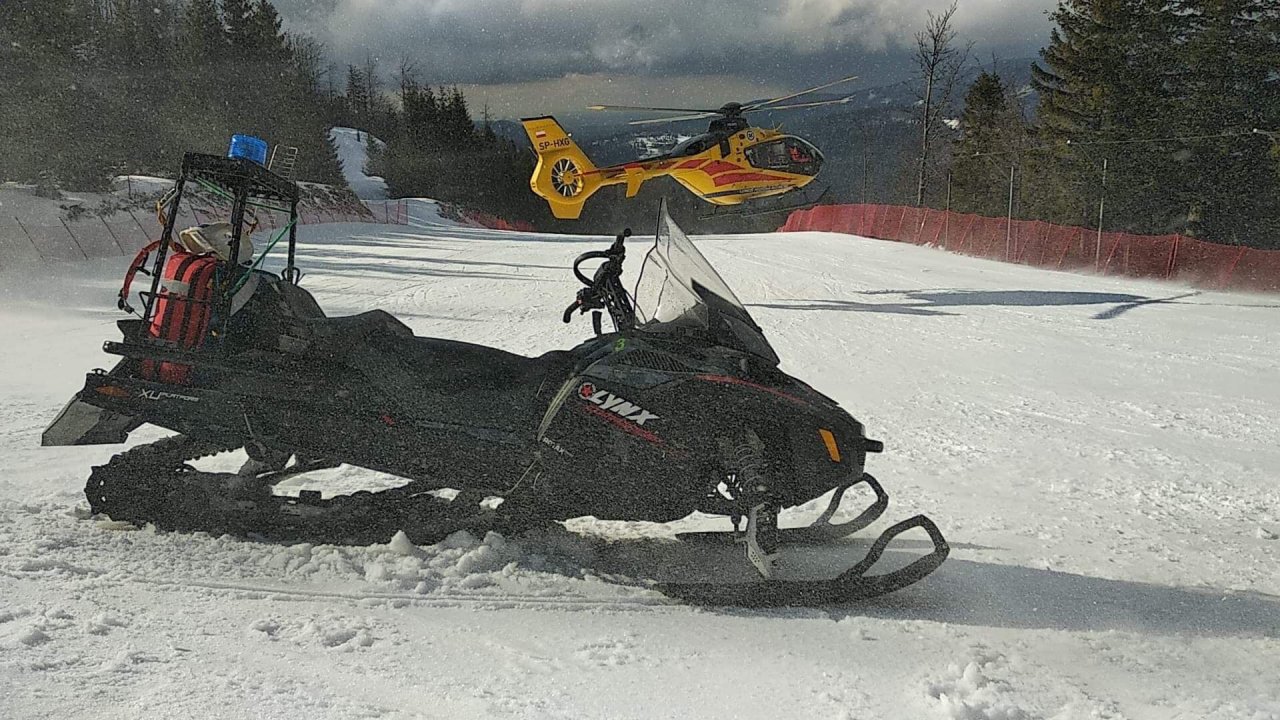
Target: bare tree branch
[{"x": 939, "y": 63}]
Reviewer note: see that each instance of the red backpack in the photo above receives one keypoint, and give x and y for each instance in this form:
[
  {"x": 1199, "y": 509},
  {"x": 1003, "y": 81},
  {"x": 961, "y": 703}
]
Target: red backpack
[{"x": 182, "y": 308}]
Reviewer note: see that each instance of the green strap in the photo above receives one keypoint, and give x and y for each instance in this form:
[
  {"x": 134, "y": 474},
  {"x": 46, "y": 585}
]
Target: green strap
[{"x": 280, "y": 235}]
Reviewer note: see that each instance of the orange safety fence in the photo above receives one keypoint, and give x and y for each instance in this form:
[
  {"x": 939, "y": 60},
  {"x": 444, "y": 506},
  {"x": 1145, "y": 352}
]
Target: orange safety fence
[
  {"x": 494, "y": 222},
  {"x": 1042, "y": 244}
]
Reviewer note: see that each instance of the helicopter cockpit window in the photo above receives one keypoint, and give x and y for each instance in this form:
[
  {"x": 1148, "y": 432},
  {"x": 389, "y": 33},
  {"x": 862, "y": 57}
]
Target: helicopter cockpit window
[
  {"x": 693, "y": 145},
  {"x": 788, "y": 154}
]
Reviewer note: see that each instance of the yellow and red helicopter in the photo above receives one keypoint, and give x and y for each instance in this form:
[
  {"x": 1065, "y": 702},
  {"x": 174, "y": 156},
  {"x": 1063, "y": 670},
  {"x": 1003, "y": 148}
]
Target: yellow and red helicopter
[{"x": 730, "y": 164}]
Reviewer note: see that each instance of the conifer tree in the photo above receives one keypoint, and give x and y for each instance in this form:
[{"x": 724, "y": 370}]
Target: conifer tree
[
  {"x": 991, "y": 131},
  {"x": 1232, "y": 188},
  {"x": 237, "y": 15},
  {"x": 203, "y": 36},
  {"x": 1106, "y": 82}
]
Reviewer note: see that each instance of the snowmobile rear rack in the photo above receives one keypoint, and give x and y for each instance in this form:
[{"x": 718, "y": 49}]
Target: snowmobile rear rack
[
  {"x": 233, "y": 175},
  {"x": 244, "y": 183}
]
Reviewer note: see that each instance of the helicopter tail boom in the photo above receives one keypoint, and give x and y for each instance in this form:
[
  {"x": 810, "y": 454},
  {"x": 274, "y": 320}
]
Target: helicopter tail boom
[{"x": 565, "y": 177}]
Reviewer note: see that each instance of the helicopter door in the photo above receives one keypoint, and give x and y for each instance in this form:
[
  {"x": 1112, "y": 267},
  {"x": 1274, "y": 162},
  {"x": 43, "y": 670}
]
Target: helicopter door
[{"x": 788, "y": 154}]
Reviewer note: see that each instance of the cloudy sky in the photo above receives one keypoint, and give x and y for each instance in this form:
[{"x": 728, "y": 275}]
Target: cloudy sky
[{"x": 525, "y": 57}]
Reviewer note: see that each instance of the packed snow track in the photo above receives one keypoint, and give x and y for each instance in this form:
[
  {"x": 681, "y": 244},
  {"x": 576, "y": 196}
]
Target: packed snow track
[{"x": 1103, "y": 455}]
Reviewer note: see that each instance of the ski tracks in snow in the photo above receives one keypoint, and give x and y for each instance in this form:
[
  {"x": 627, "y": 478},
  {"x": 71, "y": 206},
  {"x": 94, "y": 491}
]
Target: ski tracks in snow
[{"x": 1101, "y": 452}]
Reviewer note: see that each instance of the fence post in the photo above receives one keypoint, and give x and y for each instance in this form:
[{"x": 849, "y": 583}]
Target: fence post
[
  {"x": 73, "y": 238},
  {"x": 113, "y": 235},
  {"x": 964, "y": 235},
  {"x": 145, "y": 234},
  {"x": 1066, "y": 248},
  {"x": 1008, "y": 224},
  {"x": 946, "y": 219},
  {"x": 1111, "y": 255},
  {"x": 1231, "y": 270},
  {"x": 33, "y": 240},
  {"x": 1102, "y": 204}
]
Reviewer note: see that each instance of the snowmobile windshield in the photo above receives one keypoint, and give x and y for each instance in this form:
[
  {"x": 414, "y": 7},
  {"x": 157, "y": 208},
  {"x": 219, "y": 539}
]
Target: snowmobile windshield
[{"x": 678, "y": 290}]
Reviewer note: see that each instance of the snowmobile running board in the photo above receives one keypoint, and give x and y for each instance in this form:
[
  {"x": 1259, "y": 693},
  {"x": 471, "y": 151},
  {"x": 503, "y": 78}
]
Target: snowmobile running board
[{"x": 851, "y": 585}]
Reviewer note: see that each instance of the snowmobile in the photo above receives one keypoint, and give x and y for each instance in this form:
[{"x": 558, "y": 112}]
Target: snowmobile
[{"x": 680, "y": 408}]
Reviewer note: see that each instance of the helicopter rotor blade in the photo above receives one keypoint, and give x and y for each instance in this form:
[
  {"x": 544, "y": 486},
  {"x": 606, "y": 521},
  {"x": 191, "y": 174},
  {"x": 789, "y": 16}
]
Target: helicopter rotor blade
[
  {"x": 839, "y": 101},
  {"x": 675, "y": 118},
  {"x": 639, "y": 108},
  {"x": 802, "y": 92}
]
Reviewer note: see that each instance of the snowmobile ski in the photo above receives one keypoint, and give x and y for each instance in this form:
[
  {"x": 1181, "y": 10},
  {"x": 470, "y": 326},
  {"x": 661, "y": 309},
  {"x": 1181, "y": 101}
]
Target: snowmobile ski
[{"x": 851, "y": 585}]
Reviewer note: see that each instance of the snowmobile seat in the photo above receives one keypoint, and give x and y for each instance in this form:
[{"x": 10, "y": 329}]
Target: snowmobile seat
[
  {"x": 444, "y": 380},
  {"x": 467, "y": 384},
  {"x": 335, "y": 337},
  {"x": 492, "y": 387}
]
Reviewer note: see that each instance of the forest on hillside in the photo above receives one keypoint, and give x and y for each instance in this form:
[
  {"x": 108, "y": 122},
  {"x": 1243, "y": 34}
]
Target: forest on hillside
[
  {"x": 1149, "y": 116},
  {"x": 97, "y": 88},
  {"x": 1163, "y": 116}
]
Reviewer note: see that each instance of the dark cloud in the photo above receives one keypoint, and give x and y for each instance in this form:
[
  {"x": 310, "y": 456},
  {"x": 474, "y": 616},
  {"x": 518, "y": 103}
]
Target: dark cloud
[{"x": 787, "y": 42}]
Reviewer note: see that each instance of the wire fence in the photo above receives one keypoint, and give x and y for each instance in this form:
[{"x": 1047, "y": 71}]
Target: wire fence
[{"x": 124, "y": 232}]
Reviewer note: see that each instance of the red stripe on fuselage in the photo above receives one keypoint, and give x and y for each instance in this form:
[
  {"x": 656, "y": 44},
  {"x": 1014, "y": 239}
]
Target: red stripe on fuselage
[
  {"x": 719, "y": 166},
  {"x": 731, "y": 178}
]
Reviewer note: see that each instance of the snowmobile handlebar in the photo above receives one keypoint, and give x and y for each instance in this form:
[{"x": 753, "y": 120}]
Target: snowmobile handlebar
[
  {"x": 604, "y": 288},
  {"x": 613, "y": 258}
]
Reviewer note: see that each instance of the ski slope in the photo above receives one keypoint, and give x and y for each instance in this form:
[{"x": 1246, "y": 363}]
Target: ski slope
[
  {"x": 1103, "y": 454},
  {"x": 352, "y": 147}
]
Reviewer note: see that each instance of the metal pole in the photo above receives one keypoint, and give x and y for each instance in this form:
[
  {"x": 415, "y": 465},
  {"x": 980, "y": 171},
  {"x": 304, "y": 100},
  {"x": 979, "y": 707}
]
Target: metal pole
[
  {"x": 73, "y": 238},
  {"x": 137, "y": 222},
  {"x": 1008, "y": 226},
  {"x": 1102, "y": 205},
  {"x": 166, "y": 237},
  {"x": 112, "y": 234},
  {"x": 946, "y": 219},
  {"x": 33, "y": 240}
]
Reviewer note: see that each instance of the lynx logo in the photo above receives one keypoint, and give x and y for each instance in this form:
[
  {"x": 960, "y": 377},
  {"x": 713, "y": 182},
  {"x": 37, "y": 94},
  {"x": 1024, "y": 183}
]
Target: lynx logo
[
  {"x": 161, "y": 395},
  {"x": 614, "y": 404}
]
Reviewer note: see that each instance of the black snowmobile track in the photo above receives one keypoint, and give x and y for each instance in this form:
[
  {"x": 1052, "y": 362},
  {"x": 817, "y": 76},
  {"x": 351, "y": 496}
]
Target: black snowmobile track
[{"x": 155, "y": 484}]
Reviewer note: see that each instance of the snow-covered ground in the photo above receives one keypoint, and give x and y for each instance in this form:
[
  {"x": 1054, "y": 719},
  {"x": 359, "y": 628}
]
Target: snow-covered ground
[
  {"x": 353, "y": 151},
  {"x": 1103, "y": 454}
]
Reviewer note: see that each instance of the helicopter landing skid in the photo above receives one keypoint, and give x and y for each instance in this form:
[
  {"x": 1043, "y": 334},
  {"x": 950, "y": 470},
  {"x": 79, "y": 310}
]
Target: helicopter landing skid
[{"x": 755, "y": 210}]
